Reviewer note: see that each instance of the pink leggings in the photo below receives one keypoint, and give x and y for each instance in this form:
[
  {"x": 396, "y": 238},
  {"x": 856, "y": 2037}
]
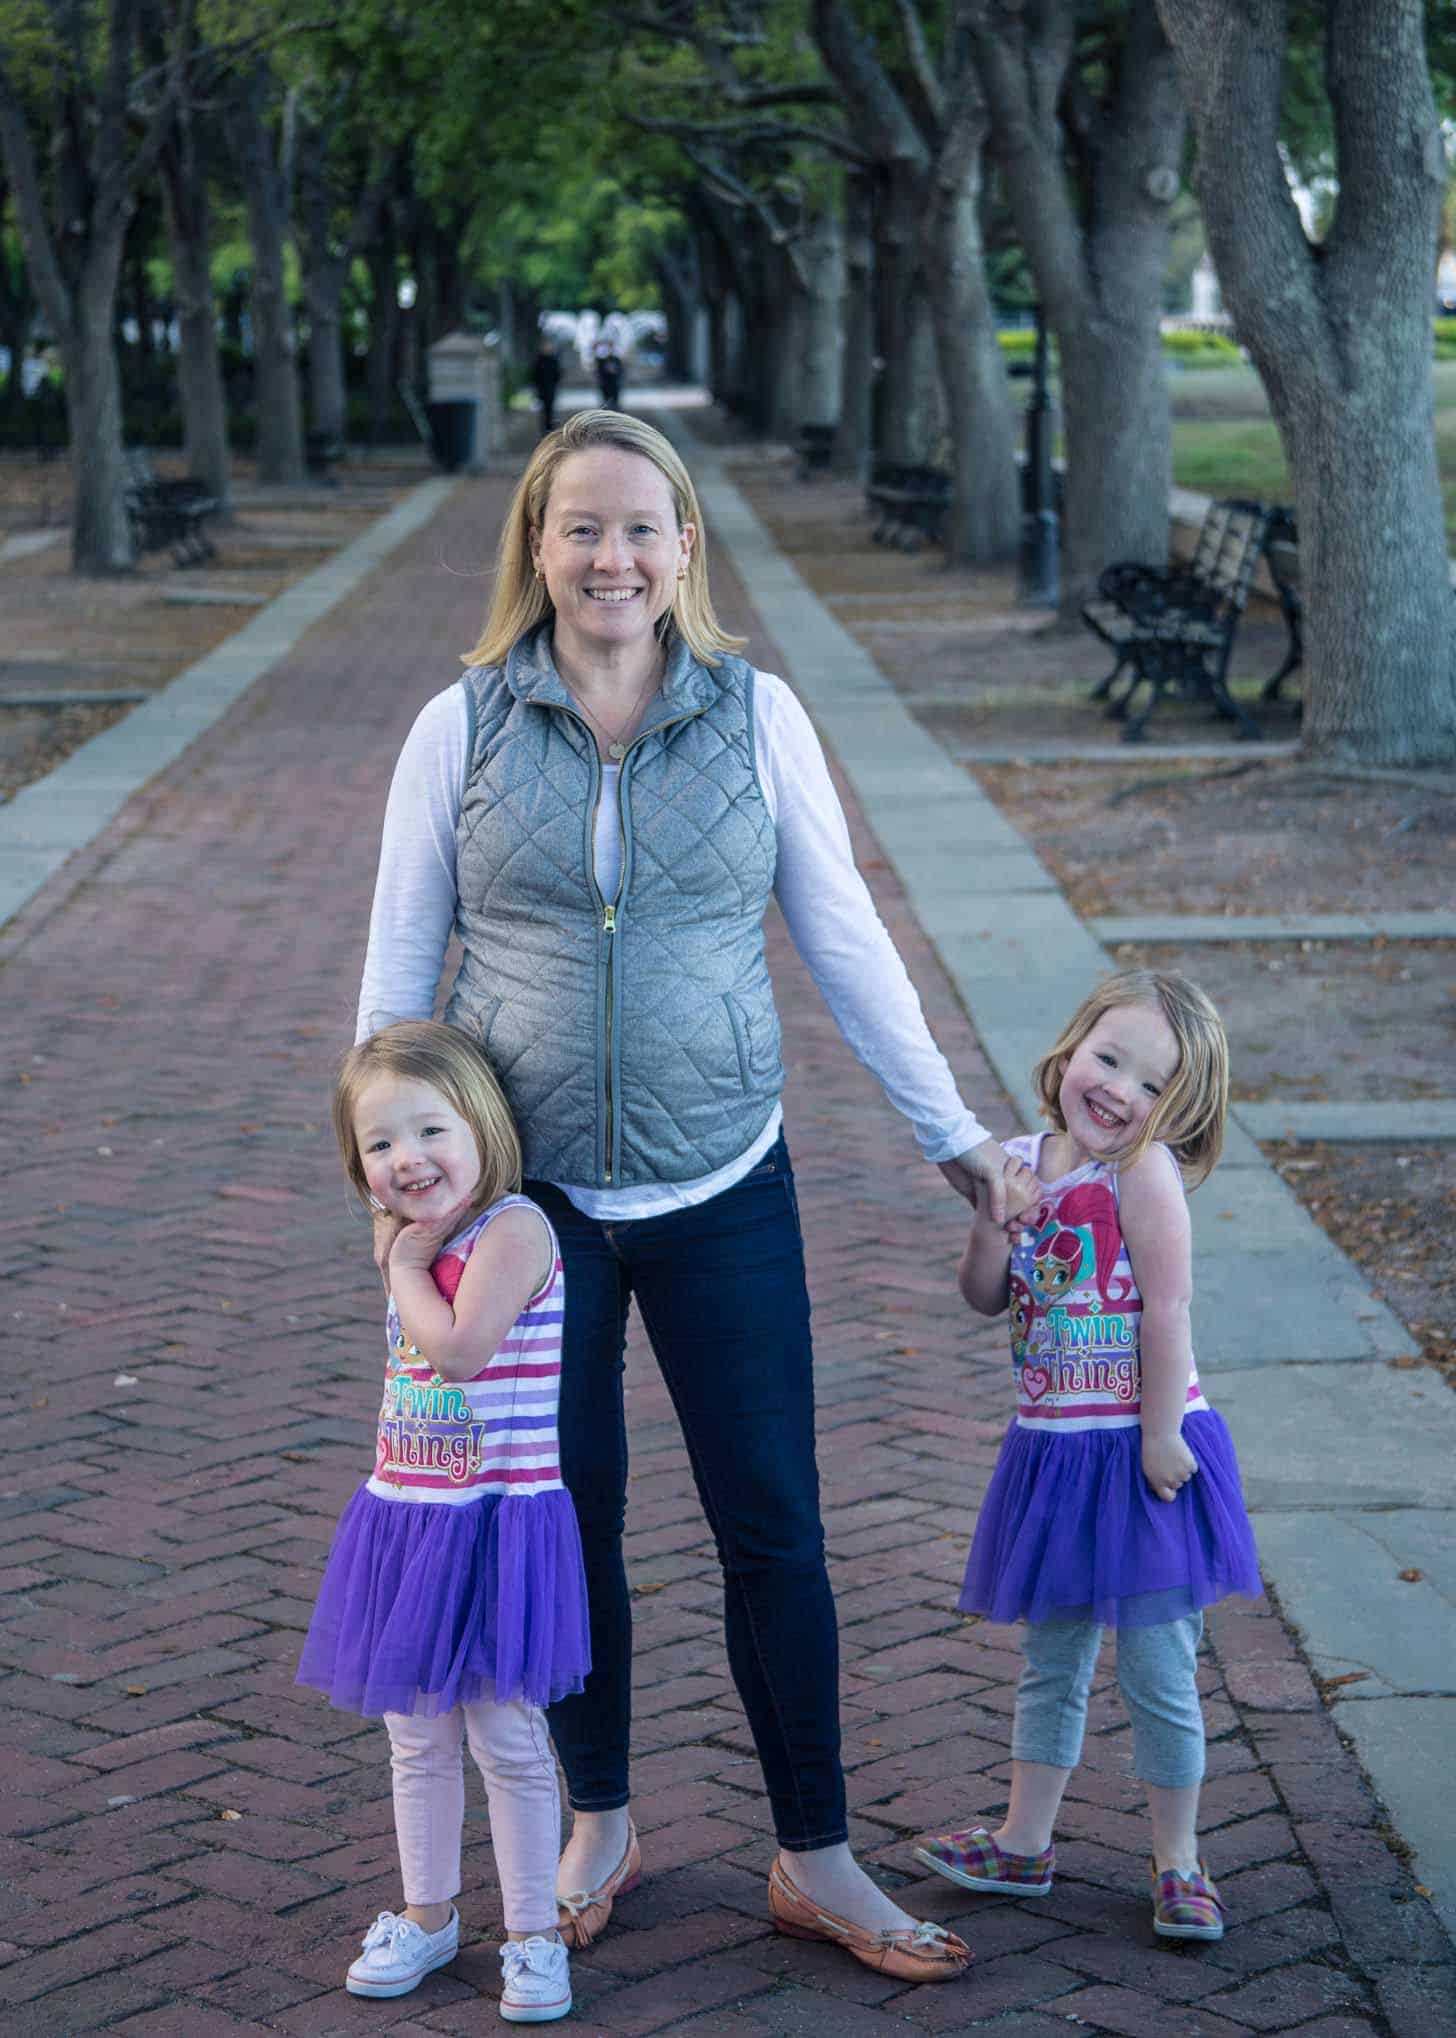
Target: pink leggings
[{"x": 513, "y": 1754}]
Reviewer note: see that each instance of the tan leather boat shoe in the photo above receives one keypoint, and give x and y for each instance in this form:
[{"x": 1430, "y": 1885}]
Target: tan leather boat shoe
[
  {"x": 580, "y": 1918},
  {"x": 926, "y": 1952}
]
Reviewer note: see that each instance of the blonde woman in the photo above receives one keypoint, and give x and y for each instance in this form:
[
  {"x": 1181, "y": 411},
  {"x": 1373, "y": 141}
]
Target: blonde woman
[{"x": 601, "y": 807}]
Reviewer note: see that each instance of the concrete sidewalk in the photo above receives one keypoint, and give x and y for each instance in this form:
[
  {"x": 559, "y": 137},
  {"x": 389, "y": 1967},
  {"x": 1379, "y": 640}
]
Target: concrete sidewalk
[{"x": 191, "y": 1846}]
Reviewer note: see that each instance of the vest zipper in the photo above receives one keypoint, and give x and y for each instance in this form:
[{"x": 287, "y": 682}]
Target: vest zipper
[{"x": 609, "y": 906}]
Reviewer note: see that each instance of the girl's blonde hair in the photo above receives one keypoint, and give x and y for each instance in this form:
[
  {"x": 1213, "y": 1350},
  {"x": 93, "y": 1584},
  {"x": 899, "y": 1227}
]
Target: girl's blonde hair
[
  {"x": 423, "y": 1051},
  {"x": 1188, "y": 1116},
  {"x": 520, "y": 600}
]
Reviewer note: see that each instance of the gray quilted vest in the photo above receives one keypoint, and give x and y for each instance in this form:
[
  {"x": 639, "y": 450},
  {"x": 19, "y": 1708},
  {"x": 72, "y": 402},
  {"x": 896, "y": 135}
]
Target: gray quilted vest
[{"x": 635, "y": 1037}]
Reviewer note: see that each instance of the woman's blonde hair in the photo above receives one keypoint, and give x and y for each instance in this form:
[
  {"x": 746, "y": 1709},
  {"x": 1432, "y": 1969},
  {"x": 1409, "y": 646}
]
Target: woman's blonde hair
[
  {"x": 1189, "y": 1114},
  {"x": 520, "y": 600},
  {"x": 423, "y": 1051}
]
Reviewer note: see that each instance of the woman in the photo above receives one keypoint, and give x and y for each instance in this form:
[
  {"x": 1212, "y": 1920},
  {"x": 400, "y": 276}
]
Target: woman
[{"x": 601, "y": 808}]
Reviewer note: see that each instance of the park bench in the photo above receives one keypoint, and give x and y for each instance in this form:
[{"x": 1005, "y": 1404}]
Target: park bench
[
  {"x": 1281, "y": 556},
  {"x": 320, "y": 452},
  {"x": 169, "y": 513},
  {"x": 815, "y": 452},
  {"x": 1172, "y": 628},
  {"x": 908, "y": 503}
]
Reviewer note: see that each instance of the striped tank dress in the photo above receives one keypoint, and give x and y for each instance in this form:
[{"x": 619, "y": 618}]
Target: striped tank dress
[{"x": 456, "y": 1574}]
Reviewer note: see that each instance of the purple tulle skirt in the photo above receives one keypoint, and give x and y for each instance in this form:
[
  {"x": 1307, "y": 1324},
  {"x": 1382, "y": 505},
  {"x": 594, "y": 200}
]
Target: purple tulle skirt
[
  {"x": 1071, "y": 1530},
  {"x": 426, "y": 1607}
]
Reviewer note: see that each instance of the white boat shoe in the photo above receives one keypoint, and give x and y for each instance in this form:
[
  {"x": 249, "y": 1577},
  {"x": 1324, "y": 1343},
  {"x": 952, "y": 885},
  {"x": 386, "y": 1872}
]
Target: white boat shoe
[
  {"x": 398, "y": 1954},
  {"x": 537, "y": 1981}
]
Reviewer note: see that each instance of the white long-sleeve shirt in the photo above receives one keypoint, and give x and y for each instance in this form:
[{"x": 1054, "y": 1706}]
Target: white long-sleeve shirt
[{"x": 825, "y": 902}]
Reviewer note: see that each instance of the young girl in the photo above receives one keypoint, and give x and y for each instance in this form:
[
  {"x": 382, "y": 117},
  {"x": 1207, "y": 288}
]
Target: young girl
[
  {"x": 454, "y": 1600},
  {"x": 1116, "y": 1498}
]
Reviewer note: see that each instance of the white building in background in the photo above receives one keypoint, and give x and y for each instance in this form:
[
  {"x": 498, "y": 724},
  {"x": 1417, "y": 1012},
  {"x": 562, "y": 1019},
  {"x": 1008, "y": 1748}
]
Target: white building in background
[
  {"x": 1446, "y": 282},
  {"x": 1207, "y": 308}
]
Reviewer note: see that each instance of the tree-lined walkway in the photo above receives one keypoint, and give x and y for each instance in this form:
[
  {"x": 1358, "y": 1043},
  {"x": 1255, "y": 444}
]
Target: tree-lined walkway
[{"x": 191, "y": 1846}]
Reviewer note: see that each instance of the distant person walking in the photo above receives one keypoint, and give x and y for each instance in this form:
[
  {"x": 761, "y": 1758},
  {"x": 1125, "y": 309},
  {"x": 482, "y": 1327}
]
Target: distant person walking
[
  {"x": 546, "y": 380},
  {"x": 609, "y": 377}
]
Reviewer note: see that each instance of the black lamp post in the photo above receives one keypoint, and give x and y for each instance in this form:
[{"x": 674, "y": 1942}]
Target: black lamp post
[{"x": 1040, "y": 583}]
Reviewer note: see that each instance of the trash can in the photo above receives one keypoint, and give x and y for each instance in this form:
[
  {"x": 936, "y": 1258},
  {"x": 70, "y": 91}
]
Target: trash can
[
  {"x": 459, "y": 387},
  {"x": 452, "y": 432}
]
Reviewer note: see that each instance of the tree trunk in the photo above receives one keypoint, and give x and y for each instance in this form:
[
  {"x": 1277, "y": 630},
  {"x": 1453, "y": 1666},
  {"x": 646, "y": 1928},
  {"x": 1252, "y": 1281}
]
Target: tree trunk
[
  {"x": 822, "y": 261},
  {"x": 327, "y": 403},
  {"x": 1117, "y": 431},
  {"x": 909, "y": 405},
  {"x": 1098, "y": 259},
  {"x": 985, "y": 514},
  {"x": 1351, "y": 392},
  {"x": 199, "y": 363},
  {"x": 852, "y": 439},
  {"x": 382, "y": 369},
  {"x": 275, "y": 362},
  {"x": 100, "y": 535}
]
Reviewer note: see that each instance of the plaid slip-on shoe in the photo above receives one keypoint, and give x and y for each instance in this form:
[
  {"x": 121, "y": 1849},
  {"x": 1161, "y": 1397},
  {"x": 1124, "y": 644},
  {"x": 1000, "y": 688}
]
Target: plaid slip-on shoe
[
  {"x": 975, "y": 1862},
  {"x": 1186, "y": 1906}
]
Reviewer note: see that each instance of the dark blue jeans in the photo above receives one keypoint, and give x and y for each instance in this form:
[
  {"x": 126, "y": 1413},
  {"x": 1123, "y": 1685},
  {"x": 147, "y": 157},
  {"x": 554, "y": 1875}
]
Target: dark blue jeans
[{"x": 722, "y": 1295}]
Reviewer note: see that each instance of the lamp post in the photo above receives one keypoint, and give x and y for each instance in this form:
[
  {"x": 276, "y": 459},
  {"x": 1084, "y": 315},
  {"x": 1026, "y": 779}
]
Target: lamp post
[{"x": 1040, "y": 546}]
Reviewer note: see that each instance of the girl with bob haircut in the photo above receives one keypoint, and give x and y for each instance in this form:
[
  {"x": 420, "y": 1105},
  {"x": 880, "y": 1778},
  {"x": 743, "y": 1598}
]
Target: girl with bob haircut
[
  {"x": 453, "y": 1603},
  {"x": 422, "y": 1052},
  {"x": 1116, "y": 1499},
  {"x": 1189, "y": 1115}
]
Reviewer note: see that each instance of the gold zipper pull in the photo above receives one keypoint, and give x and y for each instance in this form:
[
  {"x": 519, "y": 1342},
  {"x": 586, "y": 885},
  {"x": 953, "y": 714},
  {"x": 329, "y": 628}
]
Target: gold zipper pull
[{"x": 609, "y": 919}]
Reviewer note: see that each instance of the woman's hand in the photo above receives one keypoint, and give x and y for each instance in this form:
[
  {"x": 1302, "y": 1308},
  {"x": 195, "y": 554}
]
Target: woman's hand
[
  {"x": 1168, "y": 1464},
  {"x": 983, "y": 1176},
  {"x": 980, "y": 1176}
]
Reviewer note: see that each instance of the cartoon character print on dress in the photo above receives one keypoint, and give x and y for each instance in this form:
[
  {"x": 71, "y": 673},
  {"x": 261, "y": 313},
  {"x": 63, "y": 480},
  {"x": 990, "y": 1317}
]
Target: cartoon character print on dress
[
  {"x": 1080, "y": 1242},
  {"x": 1023, "y": 1315}
]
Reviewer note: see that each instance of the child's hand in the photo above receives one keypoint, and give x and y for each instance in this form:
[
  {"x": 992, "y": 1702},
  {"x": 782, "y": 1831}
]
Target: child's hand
[
  {"x": 387, "y": 1228},
  {"x": 1168, "y": 1464},
  {"x": 417, "y": 1246},
  {"x": 1023, "y": 1192}
]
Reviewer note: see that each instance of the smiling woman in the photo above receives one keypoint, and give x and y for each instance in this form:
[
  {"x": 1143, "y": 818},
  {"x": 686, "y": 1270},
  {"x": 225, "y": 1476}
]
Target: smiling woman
[{"x": 601, "y": 808}]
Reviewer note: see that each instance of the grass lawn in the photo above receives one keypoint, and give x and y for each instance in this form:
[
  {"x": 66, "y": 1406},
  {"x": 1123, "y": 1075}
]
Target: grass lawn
[{"x": 1221, "y": 446}]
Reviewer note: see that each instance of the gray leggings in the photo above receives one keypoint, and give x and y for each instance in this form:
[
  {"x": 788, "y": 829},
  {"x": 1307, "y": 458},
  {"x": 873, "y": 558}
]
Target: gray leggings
[{"x": 1156, "y": 1674}]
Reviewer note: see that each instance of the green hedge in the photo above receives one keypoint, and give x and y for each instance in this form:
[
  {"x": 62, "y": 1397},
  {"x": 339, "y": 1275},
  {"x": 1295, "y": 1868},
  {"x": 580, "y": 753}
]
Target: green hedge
[{"x": 1189, "y": 349}]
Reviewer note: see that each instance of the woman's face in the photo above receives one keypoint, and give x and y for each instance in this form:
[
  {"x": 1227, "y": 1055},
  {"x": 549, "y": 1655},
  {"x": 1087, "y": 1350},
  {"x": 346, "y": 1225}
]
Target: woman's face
[{"x": 610, "y": 549}]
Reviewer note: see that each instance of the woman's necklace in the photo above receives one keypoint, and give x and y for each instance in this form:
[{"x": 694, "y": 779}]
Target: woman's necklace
[{"x": 616, "y": 739}]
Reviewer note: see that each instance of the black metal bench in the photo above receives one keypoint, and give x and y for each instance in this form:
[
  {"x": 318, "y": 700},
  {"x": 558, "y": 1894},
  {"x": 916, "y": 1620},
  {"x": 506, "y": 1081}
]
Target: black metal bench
[
  {"x": 815, "y": 452},
  {"x": 1281, "y": 556},
  {"x": 1172, "y": 629},
  {"x": 320, "y": 452},
  {"x": 169, "y": 513},
  {"x": 908, "y": 503}
]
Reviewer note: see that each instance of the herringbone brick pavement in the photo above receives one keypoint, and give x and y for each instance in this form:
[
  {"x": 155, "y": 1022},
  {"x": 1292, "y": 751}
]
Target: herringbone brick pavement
[{"x": 190, "y": 1846}]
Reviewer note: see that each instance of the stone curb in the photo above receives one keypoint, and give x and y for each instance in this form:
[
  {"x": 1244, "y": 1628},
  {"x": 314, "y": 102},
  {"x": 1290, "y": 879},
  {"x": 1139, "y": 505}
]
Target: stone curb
[{"x": 1147, "y": 928}]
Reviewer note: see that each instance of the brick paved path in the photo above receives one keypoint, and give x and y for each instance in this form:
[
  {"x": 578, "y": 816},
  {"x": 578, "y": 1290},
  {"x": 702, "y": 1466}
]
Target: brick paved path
[{"x": 192, "y": 1847}]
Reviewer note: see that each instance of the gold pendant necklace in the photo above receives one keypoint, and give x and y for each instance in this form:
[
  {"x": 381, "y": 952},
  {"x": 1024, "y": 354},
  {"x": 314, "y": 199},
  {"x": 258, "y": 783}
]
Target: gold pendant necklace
[{"x": 616, "y": 739}]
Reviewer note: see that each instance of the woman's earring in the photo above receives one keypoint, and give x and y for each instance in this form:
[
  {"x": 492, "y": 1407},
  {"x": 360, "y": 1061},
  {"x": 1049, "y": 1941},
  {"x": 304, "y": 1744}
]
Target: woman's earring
[{"x": 375, "y": 1204}]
